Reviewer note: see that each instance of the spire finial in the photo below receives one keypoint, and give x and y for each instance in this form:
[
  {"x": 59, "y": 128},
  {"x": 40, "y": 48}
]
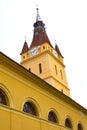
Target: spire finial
[
  {"x": 37, "y": 10},
  {"x": 38, "y": 17}
]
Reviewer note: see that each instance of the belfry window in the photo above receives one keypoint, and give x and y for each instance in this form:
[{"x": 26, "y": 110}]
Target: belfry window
[
  {"x": 61, "y": 74},
  {"x": 44, "y": 47},
  {"x": 56, "y": 69},
  {"x": 2, "y": 98},
  {"x": 40, "y": 68},
  {"x": 29, "y": 108},
  {"x": 52, "y": 117}
]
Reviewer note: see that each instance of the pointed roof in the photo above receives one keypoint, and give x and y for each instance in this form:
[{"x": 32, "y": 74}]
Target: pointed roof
[
  {"x": 38, "y": 16},
  {"x": 58, "y": 51},
  {"x": 25, "y": 48},
  {"x": 39, "y": 36}
]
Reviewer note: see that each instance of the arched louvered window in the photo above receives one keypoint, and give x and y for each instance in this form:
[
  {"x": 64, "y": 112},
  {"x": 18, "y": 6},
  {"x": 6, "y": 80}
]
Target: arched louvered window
[
  {"x": 80, "y": 127},
  {"x": 2, "y": 98},
  {"x": 52, "y": 117},
  {"x": 30, "y": 108},
  {"x": 68, "y": 123}
]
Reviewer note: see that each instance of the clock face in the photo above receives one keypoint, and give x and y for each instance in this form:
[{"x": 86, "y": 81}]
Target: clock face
[
  {"x": 33, "y": 51},
  {"x": 55, "y": 53}
]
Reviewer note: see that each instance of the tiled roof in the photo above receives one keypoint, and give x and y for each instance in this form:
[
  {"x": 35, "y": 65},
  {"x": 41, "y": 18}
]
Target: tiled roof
[
  {"x": 40, "y": 35},
  {"x": 25, "y": 48},
  {"x": 58, "y": 51}
]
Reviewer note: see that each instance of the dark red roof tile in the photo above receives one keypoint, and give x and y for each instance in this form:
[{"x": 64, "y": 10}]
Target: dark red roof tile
[
  {"x": 58, "y": 51},
  {"x": 25, "y": 48},
  {"x": 40, "y": 35}
]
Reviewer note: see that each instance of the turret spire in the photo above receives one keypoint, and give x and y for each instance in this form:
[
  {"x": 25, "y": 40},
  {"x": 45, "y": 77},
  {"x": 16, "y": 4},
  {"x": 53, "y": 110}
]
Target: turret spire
[
  {"x": 58, "y": 50},
  {"x": 25, "y": 47},
  {"x": 38, "y": 16}
]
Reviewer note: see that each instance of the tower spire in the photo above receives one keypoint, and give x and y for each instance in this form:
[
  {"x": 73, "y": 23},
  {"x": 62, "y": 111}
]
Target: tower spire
[
  {"x": 40, "y": 35},
  {"x": 38, "y": 16}
]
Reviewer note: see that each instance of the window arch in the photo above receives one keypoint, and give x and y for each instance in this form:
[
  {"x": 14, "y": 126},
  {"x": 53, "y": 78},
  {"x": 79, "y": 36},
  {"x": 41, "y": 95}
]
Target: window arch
[
  {"x": 80, "y": 126},
  {"x": 68, "y": 123},
  {"x": 2, "y": 98},
  {"x": 5, "y": 96},
  {"x": 30, "y": 108},
  {"x": 52, "y": 117}
]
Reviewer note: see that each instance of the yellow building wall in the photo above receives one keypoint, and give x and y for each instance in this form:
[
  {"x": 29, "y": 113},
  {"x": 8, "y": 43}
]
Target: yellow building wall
[
  {"x": 61, "y": 87},
  {"x": 5, "y": 119},
  {"x": 20, "y": 89},
  {"x": 12, "y": 119}
]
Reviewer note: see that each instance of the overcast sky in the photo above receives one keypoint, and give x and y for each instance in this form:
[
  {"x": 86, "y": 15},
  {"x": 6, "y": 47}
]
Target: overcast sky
[{"x": 66, "y": 22}]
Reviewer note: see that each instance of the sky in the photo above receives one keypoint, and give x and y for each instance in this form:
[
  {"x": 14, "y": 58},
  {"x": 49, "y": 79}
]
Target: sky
[{"x": 65, "y": 21}]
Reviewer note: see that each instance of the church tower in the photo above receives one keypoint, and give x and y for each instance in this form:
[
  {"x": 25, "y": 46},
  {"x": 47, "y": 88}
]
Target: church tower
[{"x": 44, "y": 60}]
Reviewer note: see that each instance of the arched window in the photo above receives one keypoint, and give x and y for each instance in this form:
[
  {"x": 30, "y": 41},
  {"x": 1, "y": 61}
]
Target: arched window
[
  {"x": 40, "y": 68},
  {"x": 43, "y": 47},
  {"x": 2, "y": 98},
  {"x": 80, "y": 127},
  {"x": 30, "y": 108},
  {"x": 56, "y": 69},
  {"x": 52, "y": 117},
  {"x": 68, "y": 123},
  {"x": 61, "y": 74}
]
